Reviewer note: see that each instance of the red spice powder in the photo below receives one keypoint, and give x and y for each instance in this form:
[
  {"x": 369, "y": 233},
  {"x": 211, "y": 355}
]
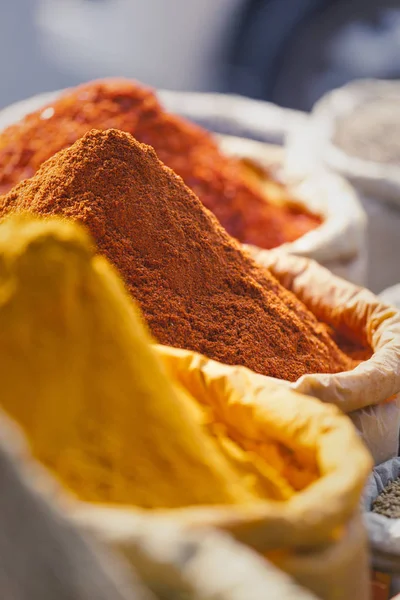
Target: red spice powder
[
  {"x": 195, "y": 285},
  {"x": 218, "y": 181}
]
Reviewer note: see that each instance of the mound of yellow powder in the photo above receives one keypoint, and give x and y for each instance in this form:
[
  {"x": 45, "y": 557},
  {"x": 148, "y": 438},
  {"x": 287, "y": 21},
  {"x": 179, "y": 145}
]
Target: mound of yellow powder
[{"x": 81, "y": 378}]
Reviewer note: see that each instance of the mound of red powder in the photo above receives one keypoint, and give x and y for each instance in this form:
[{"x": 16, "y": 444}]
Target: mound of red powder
[
  {"x": 196, "y": 287},
  {"x": 190, "y": 151}
]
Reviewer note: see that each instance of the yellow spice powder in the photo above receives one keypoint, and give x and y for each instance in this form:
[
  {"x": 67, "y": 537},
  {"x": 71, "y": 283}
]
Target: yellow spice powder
[{"x": 81, "y": 378}]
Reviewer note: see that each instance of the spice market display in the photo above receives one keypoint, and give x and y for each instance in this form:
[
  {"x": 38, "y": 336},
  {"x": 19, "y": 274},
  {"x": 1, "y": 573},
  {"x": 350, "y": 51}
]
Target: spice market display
[
  {"x": 220, "y": 182},
  {"x": 196, "y": 287},
  {"x": 118, "y": 426},
  {"x": 78, "y": 316},
  {"x": 126, "y": 429},
  {"x": 153, "y": 367}
]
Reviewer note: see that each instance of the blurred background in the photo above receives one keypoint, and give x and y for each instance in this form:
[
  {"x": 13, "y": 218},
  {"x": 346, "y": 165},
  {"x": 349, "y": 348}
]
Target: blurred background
[{"x": 287, "y": 51}]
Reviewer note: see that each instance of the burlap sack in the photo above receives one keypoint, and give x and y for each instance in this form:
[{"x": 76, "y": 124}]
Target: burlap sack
[
  {"x": 364, "y": 392},
  {"x": 339, "y": 243}
]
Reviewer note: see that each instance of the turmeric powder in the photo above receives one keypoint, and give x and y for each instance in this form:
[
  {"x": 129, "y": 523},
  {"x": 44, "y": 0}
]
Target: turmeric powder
[{"x": 81, "y": 378}]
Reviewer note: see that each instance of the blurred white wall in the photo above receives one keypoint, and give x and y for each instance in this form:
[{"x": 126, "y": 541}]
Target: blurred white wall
[
  {"x": 24, "y": 68},
  {"x": 50, "y": 44},
  {"x": 166, "y": 43}
]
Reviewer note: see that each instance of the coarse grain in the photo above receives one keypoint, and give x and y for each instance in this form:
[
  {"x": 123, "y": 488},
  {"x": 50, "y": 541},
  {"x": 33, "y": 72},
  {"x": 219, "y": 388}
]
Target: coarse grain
[
  {"x": 388, "y": 501},
  {"x": 372, "y": 132}
]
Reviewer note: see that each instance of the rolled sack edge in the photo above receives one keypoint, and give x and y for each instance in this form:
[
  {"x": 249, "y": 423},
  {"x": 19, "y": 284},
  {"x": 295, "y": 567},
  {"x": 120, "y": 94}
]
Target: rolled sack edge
[
  {"x": 316, "y": 515},
  {"x": 341, "y": 303}
]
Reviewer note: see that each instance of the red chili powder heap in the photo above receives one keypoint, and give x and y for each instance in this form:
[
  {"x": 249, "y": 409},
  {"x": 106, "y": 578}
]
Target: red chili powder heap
[
  {"x": 195, "y": 285},
  {"x": 218, "y": 181}
]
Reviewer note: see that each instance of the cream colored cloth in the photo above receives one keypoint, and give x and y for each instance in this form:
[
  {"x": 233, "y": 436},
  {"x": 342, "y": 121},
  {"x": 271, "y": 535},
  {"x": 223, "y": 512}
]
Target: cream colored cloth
[
  {"x": 252, "y": 404},
  {"x": 74, "y": 352},
  {"x": 43, "y": 556},
  {"x": 362, "y": 392},
  {"x": 322, "y": 518},
  {"x": 341, "y": 303}
]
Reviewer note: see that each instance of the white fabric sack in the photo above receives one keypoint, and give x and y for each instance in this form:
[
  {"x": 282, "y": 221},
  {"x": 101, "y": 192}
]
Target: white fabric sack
[
  {"x": 379, "y": 428},
  {"x": 43, "y": 556},
  {"x": 327, "y": 571},
  {"x": 310, "y": 146},
  {"x": 236, "y": 116},
  {"x": 227, "y": 115},
  {"x": 389, "y": 296},
  {"x": 180, "y": 563},
  {"x": 297, "y": 534},
  {"x": 375, "y": 179},
  {"x": 362, "y": 392},
  {"x": 331, "y": 570},
  {"x": 392, "y": 296},
  {"x": 339, "y": 243},
  {"x": 383, "y": 532}
]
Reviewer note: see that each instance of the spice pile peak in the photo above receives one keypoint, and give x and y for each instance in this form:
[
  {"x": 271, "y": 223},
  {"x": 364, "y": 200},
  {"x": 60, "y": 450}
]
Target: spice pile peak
[{"x": 196, "y": 287}]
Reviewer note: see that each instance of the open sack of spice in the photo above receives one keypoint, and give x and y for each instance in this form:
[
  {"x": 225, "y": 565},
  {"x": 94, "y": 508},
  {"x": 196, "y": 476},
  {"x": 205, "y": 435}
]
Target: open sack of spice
[
  {"x": 200, "y": 291},
  {"x": 392, "y": 295},
  {"x": 353, "y": 131},
  {"x": 339, "y": 242},
  {"x": 127, "y": 427},
  {"x": 381, "y": 502},
  {"x": 356, "y": 128},
  {"x": 382, "y": 508},
  {"x": 369, "y": 392},
  {"x": 321, "y": 218},
  {"x": 43, "y": 555}
]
